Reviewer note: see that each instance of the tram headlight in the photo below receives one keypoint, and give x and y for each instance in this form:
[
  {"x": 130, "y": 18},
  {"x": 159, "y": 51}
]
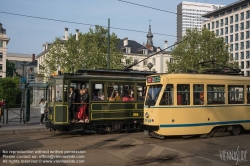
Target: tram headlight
[{"x": 146, "y": 115}]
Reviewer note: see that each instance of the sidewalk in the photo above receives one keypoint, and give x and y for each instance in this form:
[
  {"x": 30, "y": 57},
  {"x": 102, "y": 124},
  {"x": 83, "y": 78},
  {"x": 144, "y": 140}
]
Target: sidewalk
[{"x": 15, "y": 127}]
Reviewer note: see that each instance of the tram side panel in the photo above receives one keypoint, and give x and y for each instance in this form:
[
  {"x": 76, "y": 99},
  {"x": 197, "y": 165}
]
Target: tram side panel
[{"x": 196, "y": 120}]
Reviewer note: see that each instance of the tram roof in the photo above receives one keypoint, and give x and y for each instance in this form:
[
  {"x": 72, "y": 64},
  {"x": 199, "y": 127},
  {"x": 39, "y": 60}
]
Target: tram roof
[
  {"x": 107, "y": 73},
  {"x": 203, "y": 76}
]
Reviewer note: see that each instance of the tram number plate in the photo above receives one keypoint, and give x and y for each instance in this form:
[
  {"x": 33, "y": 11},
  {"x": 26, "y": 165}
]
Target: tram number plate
[{"x": 135, "y": 114}]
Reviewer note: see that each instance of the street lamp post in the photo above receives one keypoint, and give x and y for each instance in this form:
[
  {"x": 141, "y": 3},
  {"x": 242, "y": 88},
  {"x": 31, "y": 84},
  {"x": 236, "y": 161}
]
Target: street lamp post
[
  {"x": 150, "y": 65},
  {"x": 23, "y": 91}
]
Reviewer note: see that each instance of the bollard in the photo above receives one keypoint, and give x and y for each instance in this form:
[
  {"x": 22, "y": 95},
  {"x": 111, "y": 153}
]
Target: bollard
[{"x": 5, "y": 115}]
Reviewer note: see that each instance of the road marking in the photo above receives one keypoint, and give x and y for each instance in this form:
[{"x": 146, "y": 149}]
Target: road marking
[{"x": 155, "y": 151}]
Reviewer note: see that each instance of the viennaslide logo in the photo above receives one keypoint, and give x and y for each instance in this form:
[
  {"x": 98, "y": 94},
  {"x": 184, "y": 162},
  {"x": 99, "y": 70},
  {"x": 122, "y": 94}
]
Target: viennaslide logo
[{"x": 233, "y": 155}]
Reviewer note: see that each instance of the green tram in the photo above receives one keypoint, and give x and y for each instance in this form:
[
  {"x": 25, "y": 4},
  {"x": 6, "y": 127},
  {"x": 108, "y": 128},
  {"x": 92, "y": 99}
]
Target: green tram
[{"x": 106, "y": 114}]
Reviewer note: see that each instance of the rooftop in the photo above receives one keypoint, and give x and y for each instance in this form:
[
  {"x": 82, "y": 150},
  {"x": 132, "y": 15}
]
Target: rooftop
[
  {"x": 9, "y": 54},
  {"x": 226, "y": 8}
]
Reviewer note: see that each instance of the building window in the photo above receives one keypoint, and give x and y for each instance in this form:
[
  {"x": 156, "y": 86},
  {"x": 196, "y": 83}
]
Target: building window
[
  {"x": 1, "y": 67},
  {"x": 127, "y": 61},
  {"x": 236, "y": 17},
  {"x": 135, "y": 62},
  {"x": 226, "y": 30},
  {"x": 236, "y": 28},
  {"x": 212, "y": 25},
  {"x": 1, "y": 56},
  {"x": 231, "y": 19},
  {"x": 242, "y": 36},
  {"x": 248, "y": 14},
  {"x": 145, "y": 63},
  {"x": 1, "y": 43},
  {"x": 231, "y": 57},
  {"x": 248, "y": 55},
  {"x": 221, "y": 22},
  {"x": 247, "y": 25},
  {"x": 248, "y": 74},
  {"x": 145, "y": 51},
  {"x": 236, "y": 56},
  {"x": 226, "y": 39},
  {"x": 236, "y": 37},
  {"x": 128, "y": 50},
  {"x": 217, "y": 32},
  {"x": 171, "y": 60},
  {"x": 247, "y": 44},
  {"x": 221, "y": 31},
  {"x": 242, "y": 56},
  {"x": 226, "y": 21},
  {"x": 242, "y": 26},
  {"x": 208, "y": 25},
  {"x": 231, "y": 47},
  {"x": 242, "y": 64},
  {"x": 231, "y": 29},
  {"x": 242, "y": 45},
  {"x": 247, "y": 64},
  {"x": 153, "y": 61},
  {"x": 217, "y": 24},
  {"x": 236, "y": 47},
  {"x": 247, "y": 34},
  {"x": 242, "y": 16},
  {"x": 231, "y": 38}
]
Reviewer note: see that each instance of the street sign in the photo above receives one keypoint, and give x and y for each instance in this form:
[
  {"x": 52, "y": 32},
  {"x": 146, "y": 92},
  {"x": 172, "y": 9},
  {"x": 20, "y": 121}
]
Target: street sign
[{"x": 22, "y": 83}]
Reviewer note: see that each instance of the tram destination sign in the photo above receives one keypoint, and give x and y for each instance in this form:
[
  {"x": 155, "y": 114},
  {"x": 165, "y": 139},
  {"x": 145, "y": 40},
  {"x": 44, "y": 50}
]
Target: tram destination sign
[{"x": 153, "y": 79}]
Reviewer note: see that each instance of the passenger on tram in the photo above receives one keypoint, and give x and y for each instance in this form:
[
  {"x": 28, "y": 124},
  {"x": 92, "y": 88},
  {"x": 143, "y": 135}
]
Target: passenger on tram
[
  {"x": 95, "y": 96},
  {"x": 117, "y": 97},
  {"x": 84, "y": 99}
]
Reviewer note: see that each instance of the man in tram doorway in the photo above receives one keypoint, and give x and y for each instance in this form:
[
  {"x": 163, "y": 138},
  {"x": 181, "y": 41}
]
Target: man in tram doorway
[{"x": 72, "y": 99}]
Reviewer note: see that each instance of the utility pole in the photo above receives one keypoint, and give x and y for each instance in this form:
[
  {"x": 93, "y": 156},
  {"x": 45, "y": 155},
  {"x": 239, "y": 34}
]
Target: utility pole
[{"x": 108, "y": 64}]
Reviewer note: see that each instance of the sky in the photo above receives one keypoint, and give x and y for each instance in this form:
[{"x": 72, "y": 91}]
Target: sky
[{"x": 27, "y": 35}]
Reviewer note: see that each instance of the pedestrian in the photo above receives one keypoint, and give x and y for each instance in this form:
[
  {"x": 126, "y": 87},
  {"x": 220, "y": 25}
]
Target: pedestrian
[{"x": 42, "y": 104}]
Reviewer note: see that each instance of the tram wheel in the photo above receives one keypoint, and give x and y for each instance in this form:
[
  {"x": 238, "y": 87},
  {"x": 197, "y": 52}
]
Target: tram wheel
[{"x": 236, "y": 130}]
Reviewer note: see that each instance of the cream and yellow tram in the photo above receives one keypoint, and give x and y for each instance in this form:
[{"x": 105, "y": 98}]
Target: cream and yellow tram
[{"x": 196, "y": 104}]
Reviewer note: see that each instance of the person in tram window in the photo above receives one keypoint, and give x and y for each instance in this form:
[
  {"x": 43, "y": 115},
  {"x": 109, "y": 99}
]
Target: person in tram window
[
  {"x": 84, "y": 99},
  {"x": 202, "y": 98},
  {"x": 72, "y": 99},
  {"x": 117, "y": 97}
]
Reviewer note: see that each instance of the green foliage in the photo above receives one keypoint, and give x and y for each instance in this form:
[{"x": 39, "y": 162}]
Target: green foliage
[
  {"x": 9, "y": 88},
  {"x": 199, "y": 47},
  {"x": 89, "y": 51},
  {"x": 10, "y": 69}
]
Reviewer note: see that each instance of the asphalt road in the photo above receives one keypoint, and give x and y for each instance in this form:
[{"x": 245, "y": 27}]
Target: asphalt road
[{"x": 123, "y": 149}]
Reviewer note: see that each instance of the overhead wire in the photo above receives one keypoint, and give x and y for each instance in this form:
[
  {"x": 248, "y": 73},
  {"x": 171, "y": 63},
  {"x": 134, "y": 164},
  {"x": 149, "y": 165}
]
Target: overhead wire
[{"x": 72, "y": 22}]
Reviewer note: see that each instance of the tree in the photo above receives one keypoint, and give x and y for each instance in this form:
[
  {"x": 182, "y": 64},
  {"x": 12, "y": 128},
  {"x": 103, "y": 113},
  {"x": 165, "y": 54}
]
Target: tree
[
  {"x": 9, "y": 90},
  {"x": 89, "y": 51},
  {"x": 199, "y": 47},
  {"x": 10, "y": 69}
]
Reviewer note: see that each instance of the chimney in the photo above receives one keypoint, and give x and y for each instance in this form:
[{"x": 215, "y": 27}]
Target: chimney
[
  {"x": 33, "y": 57},
  {"x": 165, "y": 44},
  {"x": 77, "y": 31},
  {"x": 66, "y": 33},
  {"x": 158, "y": 49},
  {"x": 125, "y": 41}
]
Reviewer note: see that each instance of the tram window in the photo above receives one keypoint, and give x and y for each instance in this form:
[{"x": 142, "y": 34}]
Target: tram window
[
  {"x": 235, "y": 94},
  {"x": 59, "y": 91},
  {"x": 153, "y": 94},
  {"x": 248, "y": 94},
  {"x": 97, "y": 92},
  {"x": 167, "y": 97},
  {"x": 141, "y": 91},
  {"x": 120, "y": 92},
  {"x": 183, "y": 94},
  {"x": 215, "y": 94},
  {"x": 198, "y": 94}
]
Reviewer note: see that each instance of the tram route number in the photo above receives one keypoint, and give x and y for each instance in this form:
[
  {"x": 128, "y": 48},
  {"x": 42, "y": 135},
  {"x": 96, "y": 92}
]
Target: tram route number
[{"x": 135, "y": 114}]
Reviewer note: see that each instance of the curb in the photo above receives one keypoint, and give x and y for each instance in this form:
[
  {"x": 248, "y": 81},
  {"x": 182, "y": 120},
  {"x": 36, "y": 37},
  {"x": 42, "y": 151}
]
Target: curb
[{"x": 24, "y": 131}]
